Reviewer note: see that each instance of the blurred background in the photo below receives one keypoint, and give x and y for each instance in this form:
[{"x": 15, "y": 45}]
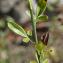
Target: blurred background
[{"x": 12, "y": 48}]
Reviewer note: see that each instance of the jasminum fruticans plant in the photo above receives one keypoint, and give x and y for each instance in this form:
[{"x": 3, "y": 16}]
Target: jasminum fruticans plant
[{"x": 36, "y": 14}]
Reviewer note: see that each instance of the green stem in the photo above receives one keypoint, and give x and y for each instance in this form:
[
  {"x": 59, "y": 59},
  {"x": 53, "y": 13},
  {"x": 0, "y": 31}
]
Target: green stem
[
  {"x": 34, "y": 33},
  {"x": 38, "y": 56},
  {"x": 33, "y": 22}
]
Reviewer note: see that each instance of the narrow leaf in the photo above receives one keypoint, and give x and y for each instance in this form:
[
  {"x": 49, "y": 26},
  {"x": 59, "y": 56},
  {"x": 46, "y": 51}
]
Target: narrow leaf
[
  {"x": 41, "y": 7},
  {"x": 46, "y": 61},
  {"x": 28, "y": 13},
  {"x": 42, "y": 18},
  {"x": 31, "y": 3},
  {"x": 15, "y": 27},
  {"x": 33, "y": 62},
  {"x": 37, "y": 10}
]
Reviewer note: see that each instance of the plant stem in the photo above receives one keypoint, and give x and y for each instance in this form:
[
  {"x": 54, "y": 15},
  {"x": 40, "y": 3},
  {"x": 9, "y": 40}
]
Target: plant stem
[
  {"x": 34, "y": 33},
  {"x": 33, "y": 22}
]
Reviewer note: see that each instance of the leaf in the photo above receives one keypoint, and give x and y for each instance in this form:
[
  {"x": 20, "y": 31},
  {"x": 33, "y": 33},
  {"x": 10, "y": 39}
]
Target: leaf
[
  {"x": 42, "y": 18},
  {"x": 40, "y": 46},
  {"x": 33, "y": 62},
  {"x": 36, "y": 57},
  {"x": 29, "y": 33},
  {"x": 28, "y": 13},
  {"x": 15, "y": 27},
  {"x": 41, "y": 6},
  {"x": 31, "y": 4},
  {"x": 37, "y": 10},
  {"x": 45, "y": 61},
  {"x": 26, "y": 40}
]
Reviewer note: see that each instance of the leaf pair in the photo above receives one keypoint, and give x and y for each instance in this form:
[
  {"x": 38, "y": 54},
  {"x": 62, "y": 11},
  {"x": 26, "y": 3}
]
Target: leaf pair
[{"x": 41, "y": 7}]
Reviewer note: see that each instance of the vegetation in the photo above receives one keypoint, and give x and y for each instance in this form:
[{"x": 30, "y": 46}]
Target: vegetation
[{"x": 31, "y": 36}]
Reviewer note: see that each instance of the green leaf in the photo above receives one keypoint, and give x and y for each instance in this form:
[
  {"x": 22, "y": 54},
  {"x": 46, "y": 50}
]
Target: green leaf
[
  {"x": 31, "y": 4},
  {"x": 26, "y": 40},
  {"x": 37, "y": 57},
  {"x": 40, "y": 46},
  {"x": 37, "y": 10},
  {"x": 15, "y": 27},
  {"x": 29, "y": 33},
  {"x": 28, "y": 13},
  {"x": 33, "y": 62},
  {"x": 45, "y": 61},
  {"x": 42, "y": 18},
  {"x": 41, "y": 7}
]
